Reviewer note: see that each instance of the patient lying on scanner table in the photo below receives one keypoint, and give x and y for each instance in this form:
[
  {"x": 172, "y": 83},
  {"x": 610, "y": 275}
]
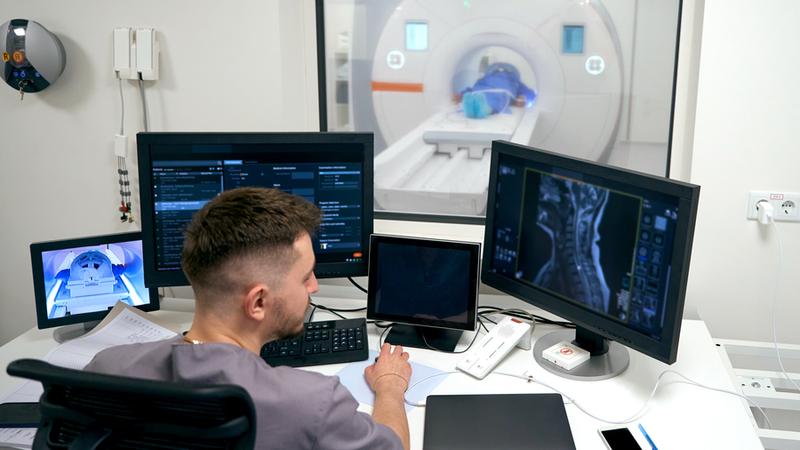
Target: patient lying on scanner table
[{"x": 498, "y": 89}]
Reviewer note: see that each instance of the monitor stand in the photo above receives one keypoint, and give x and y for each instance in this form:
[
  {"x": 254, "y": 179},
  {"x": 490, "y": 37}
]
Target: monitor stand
[
  {"x": 67, "y": 332},
  {"x": 608, "y": 358},
  {"x": 443, "y": 339}
]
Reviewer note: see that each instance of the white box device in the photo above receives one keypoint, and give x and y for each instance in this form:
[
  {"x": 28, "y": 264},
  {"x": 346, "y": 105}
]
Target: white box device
[
  {"x": 493, "y": 347},
  {"x": 566, "y": 355}
]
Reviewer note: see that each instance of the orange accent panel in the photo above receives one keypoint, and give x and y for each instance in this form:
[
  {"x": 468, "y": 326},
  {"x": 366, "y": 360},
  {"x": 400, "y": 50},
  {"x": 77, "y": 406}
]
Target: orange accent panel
[{"x": 397, "y": 87}]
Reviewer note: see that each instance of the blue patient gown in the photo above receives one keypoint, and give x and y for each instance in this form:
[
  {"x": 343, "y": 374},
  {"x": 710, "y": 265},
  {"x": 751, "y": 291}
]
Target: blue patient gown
[{"x": 295, "y": 409}]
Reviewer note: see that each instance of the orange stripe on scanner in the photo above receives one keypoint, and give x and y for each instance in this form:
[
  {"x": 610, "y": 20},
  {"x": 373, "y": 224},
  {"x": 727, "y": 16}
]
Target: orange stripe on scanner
[{"x": 397, "y": 87}]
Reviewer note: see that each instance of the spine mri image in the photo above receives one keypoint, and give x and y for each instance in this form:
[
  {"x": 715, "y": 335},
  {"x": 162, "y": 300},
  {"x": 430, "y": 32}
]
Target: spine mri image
[
  {"x": 90, "y": 279},
  {"x": 579, "y": 223}
]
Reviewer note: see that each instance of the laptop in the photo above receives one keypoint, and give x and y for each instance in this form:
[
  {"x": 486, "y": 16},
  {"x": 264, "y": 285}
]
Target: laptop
[{"x": 506, "y": 421}]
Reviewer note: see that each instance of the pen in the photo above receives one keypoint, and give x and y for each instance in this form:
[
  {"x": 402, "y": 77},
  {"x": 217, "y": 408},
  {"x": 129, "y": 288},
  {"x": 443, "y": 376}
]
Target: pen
[{"x": 647, "y": 436}]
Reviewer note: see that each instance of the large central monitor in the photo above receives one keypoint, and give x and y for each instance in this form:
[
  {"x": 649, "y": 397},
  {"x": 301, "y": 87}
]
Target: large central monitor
[
  {"x": 180, "y": 172},
  {"x": 605, "y": 248}
]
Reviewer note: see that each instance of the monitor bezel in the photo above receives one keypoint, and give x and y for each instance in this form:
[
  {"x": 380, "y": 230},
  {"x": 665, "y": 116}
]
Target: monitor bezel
[
  {"x": 40, "y": 296},
  {"x": 145, "y": 142},
  {"x": 474, "y": 249},
  {"x": 666, "y": 348}
]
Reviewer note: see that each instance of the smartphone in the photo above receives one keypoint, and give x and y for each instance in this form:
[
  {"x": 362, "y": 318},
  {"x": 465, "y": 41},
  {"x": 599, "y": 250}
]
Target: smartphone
[
  {"x": 19, "y": 415},
  {"x": 618, "y": 439}
]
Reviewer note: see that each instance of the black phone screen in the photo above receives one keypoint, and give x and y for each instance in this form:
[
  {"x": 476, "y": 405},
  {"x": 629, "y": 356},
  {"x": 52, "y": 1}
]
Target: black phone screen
[
  {"x": 620, "y": 439},
  {"x": 19, "y": 415}
]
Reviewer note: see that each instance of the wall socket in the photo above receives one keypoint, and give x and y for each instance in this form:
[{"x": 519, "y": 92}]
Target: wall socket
[{"x": 786, "y": 205}]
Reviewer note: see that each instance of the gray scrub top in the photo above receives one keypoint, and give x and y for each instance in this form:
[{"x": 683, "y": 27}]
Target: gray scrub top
[{"x": 295, "y": 409}]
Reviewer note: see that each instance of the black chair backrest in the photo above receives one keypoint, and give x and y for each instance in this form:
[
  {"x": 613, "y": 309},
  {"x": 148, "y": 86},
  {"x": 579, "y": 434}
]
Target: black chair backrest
[{"x": 86, "y": 410}]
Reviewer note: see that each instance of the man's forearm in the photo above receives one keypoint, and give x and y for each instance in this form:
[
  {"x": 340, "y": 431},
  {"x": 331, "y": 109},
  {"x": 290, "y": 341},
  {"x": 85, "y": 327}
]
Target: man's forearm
[{"x": 390, "y": 410}]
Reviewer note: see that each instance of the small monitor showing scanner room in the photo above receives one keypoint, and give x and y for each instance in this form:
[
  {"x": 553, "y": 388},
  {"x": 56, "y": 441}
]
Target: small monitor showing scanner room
[
  {"x": 427, "y": 287},
  {"x": 80, "y": 280},
  {"x": 181, "y": 172},
  {"x": 605, "y": 248}
]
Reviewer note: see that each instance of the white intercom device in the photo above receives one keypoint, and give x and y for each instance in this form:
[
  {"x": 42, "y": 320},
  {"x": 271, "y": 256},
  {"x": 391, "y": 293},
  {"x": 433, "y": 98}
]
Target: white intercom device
[{"x": 136, "y": 53}]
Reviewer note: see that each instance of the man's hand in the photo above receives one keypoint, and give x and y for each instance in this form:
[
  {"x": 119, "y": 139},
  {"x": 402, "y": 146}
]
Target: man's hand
[
  {"x": 391, "y": 372},
  {"x": 388, "y": 377}
]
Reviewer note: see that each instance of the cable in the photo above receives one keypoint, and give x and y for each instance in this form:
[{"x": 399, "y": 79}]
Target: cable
[
  {"x": 539, "y": 319},
  {"x": 380, "y": 338},
  {"x": 775, "y": 306},
  {"x": 313, "y": 310},
  {"x": 122, "y": 166},
  {"x": 360, "y": 288},
  {"x": 327, "y": 309},
  {"x": 144, "y": 104},
  {"x": 477, "y": 332},
  {"x": 632, "y": 418},
  {"x": 122, "y": 102},
  {"x": 643, "y": 409}
]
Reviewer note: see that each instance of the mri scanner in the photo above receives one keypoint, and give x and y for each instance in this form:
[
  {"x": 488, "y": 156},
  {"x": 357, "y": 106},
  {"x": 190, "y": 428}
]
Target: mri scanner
[{"x": 409, "y": 60}]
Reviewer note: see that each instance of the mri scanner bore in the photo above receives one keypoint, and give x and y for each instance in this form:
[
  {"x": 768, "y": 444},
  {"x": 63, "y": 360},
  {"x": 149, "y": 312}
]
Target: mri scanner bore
[
  {"x": 438, "y": 80},
  {"x": 88, "y": 279}
]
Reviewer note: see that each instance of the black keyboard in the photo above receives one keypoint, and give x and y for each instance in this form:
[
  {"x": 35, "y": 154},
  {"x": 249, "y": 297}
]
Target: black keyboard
[{"x": 326, "y": 342}]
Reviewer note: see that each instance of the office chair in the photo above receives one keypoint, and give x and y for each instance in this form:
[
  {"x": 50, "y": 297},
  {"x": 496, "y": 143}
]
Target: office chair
[{"x": 86, "y": 410}]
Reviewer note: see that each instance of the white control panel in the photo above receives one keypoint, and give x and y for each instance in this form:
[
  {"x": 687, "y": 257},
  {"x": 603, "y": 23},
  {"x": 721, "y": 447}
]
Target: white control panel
[{"x": 493, "y": 347}]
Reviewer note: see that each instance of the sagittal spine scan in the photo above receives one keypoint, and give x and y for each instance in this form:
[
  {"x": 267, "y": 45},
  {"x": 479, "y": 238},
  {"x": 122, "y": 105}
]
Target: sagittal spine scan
[{"x": 570, "y": 213}]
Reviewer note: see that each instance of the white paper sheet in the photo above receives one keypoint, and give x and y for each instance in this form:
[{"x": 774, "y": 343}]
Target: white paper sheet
[
  {"x": 17, "y": 437},
  {"x": 122, "y": 325}
]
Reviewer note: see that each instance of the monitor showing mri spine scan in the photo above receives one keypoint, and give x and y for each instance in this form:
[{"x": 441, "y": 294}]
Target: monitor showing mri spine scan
[{"x": 437, "y": 81}]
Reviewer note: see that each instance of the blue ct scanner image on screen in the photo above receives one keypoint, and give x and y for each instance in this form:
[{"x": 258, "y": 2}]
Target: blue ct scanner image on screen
[{"x": 90, "y": 279}]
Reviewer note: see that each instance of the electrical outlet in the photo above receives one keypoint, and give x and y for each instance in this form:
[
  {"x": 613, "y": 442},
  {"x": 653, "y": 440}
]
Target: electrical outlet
[
  {"x": 755, "y": 385},
  {"x": 786, "y": 205}
]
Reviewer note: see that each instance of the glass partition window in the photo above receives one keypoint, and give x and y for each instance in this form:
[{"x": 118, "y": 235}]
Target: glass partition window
[{"x": 437, "y": 81}]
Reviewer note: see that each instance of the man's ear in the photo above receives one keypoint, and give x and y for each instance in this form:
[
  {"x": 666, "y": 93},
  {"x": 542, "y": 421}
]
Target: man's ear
[{"x": 257, "y": 302}]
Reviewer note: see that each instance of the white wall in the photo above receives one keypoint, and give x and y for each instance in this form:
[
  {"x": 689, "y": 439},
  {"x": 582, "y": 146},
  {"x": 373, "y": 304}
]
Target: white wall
[
  {"x": 745, "y": 139},
  {"x": 224, "y": 66}
]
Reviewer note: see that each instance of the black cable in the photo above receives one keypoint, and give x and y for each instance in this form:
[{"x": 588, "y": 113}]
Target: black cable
[
  {"x": 486, "y": 318},
  {"x": 327, "y": 309},
  {"x": 357, "y": 285},
  {"x": 539, "y": 319},
  {"x": 313, "y": 310},
  {"x": 477, "y": 332}
]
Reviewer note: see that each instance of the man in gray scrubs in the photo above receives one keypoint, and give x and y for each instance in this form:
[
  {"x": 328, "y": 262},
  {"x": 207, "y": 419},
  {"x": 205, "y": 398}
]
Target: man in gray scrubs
[{"x": 248, "y": 256}]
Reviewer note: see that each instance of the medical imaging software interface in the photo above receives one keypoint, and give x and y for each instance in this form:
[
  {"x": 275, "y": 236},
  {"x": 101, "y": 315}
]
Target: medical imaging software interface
[
  {"x": 182, "y": 187},
  {"x": 588, "y": 243},
  {"x": 91, "y": 279}
]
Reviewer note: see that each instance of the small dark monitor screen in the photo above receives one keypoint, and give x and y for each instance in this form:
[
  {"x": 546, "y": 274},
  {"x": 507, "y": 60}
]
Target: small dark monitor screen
[
  {"x": 79, "y": 280},
  {"x": 181, "y": 172},
  {"x": 423, "y": 282},
  {"x": 592, "y": 243}
]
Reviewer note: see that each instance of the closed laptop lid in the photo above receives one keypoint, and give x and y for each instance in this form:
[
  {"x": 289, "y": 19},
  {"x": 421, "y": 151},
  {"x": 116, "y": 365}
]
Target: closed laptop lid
[{"x": 507, "y": 421}]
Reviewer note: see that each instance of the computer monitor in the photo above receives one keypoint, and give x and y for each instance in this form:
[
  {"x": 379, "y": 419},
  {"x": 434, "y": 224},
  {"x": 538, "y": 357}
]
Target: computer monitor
[
  {"x": 427, "y": 287},
  {"x": 603, "y": 247},
  {"x": 80, "y": 280},
  {"x": 180, "y": 172}
]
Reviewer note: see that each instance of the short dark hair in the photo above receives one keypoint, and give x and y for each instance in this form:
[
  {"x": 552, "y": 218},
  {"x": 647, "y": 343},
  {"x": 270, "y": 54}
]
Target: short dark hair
[{"x": 244, "y": 222}]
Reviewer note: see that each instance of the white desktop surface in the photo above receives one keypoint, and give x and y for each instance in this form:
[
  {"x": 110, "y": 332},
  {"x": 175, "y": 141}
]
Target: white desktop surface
[{"x": 680, "y": 416}]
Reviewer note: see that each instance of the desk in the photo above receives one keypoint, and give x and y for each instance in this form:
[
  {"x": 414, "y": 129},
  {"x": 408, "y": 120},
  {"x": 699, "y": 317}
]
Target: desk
[{"x": 679, "y": 417}]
